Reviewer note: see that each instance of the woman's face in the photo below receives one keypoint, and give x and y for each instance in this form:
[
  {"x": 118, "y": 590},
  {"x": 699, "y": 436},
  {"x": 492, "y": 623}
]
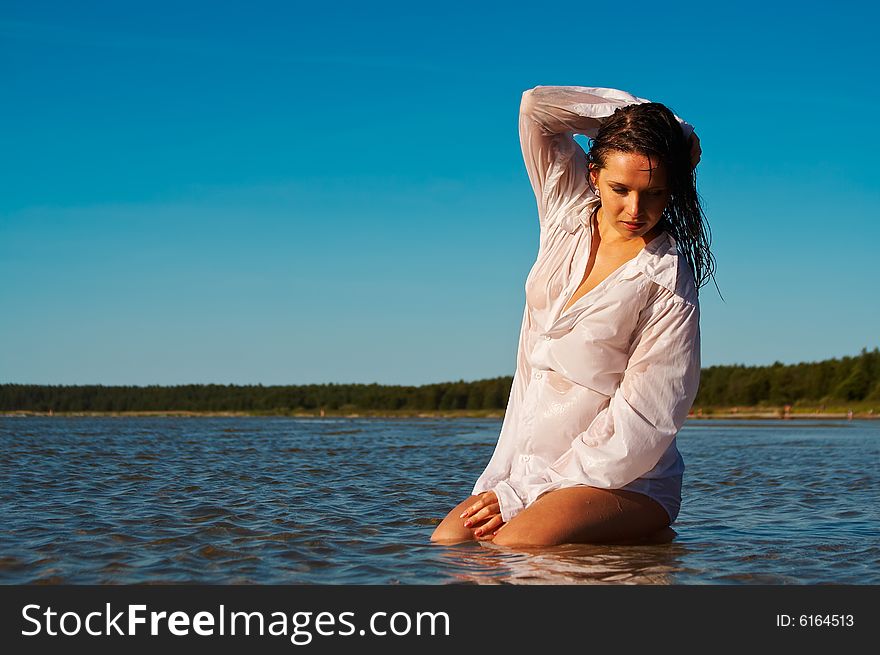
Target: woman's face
[{"x": 633, "y": 196}]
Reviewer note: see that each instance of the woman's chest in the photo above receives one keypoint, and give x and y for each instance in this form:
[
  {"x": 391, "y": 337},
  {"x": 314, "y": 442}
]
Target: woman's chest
[
  {"x": 569, "y": 276},
  {"x": 601, "y": 264},
  {"x": 591, "y": 343},
  {"x": 552, "y": 275}
]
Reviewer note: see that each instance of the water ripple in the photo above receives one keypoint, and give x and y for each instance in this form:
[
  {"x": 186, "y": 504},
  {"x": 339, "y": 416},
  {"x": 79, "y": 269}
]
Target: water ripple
[{"x": 353, "y": 501}]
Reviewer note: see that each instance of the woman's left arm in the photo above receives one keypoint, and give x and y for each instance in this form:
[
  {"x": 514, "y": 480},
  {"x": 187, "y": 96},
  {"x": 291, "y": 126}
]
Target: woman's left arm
[{"x": 628, "y": 437}]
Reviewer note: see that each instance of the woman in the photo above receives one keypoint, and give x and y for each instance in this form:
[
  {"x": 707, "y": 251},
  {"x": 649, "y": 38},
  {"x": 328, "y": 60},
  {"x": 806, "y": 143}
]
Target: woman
[{"x": 609, "y": 352}]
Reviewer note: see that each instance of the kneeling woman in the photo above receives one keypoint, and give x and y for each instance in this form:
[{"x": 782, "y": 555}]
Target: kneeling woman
[{"x": 609, "y": 352}]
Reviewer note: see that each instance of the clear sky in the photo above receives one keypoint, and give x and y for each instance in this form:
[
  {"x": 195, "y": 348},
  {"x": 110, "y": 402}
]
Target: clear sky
[{"x": 290, "y": 193}]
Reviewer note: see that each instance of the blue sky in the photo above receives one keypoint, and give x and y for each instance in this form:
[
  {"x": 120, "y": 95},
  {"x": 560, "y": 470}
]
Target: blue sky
[{"x": 278, "y": 193}]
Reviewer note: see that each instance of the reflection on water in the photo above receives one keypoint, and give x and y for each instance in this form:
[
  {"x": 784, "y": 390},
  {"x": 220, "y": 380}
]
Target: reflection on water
[
  {"x": 567, "y": 564},
  {"x": 354, "y": 501}
]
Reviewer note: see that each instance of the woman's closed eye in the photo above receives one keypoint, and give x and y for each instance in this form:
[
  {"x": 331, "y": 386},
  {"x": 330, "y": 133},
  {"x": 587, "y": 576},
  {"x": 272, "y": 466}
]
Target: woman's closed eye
[{"x": 652, "y": 192}]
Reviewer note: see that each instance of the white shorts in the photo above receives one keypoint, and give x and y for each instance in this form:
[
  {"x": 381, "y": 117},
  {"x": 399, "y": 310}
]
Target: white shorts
[{"x": 666, "y": 491}]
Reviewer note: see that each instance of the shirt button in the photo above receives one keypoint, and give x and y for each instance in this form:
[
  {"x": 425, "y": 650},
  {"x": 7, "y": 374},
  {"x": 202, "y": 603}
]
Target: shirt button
[
  {"x": 538, "y": 376},
  {"x": 546, "y": 337},
  {"x": 526, "y": 458}
]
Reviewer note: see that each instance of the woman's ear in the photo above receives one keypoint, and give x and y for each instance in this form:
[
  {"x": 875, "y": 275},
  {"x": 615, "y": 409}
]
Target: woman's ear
[{"x": 594, "y": 176}]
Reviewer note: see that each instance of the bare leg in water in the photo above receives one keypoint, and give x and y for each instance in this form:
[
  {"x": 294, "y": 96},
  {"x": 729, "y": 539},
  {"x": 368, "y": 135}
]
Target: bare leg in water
[{"x": 571, "y": 515}]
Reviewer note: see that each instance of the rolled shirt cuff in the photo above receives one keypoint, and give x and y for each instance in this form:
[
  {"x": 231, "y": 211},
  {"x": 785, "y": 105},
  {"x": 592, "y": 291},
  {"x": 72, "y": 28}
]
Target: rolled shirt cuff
[{"x": 508, "y": 501}]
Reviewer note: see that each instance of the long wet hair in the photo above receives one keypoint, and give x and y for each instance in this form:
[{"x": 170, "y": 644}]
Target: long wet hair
[{"x": 651, "y": 129}]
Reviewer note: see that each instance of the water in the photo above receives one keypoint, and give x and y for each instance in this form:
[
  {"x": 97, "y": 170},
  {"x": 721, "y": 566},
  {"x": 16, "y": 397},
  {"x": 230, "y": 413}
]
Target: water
[{"x": 354, "y": 501}]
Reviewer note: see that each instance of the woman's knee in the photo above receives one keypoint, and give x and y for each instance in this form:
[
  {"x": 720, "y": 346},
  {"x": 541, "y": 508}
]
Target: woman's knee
[
  {"x": 534, "y": 529},
  {"x": 524, "y": 535},
  {"x": 450, "y": 534},
  {"x": 451, "y": 528}
]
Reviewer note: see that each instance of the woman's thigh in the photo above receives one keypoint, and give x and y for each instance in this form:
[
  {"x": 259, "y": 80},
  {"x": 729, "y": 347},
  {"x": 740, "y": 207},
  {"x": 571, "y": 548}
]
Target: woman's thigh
[
  {"x": 451, "y": 529},
  {"x": 584, "y": 515}
]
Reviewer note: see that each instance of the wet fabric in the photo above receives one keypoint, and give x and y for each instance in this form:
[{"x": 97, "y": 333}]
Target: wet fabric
[{"x": 601, "y": 389}]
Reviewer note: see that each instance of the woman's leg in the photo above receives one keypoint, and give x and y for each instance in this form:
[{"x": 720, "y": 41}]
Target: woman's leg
[
  {"x": 583, "y": 515},
  {"x": 452, "y": 530}
]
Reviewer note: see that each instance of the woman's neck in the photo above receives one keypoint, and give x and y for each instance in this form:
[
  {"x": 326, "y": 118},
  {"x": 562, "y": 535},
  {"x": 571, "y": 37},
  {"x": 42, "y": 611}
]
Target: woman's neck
[{"x": 611, "y": 238}]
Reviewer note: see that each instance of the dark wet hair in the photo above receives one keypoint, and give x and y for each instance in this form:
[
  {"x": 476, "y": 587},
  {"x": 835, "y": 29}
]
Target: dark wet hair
[{"x": 651, "y": 129}]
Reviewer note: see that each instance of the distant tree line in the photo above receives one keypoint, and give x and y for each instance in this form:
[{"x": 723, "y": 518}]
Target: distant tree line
[
  {"x": 482, "y": 394},
  {"x": 834, "y": 380}
]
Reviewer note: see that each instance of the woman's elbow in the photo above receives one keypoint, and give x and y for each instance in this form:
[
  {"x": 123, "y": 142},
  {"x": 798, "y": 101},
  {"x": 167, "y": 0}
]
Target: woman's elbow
[{"x": 527, "y": 102}]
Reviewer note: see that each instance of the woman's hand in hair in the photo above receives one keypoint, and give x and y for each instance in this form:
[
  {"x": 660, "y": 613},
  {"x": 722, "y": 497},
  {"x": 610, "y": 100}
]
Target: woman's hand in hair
[
  {"x": 484, "y": 516},
  {"x": 695, "y": 150}
]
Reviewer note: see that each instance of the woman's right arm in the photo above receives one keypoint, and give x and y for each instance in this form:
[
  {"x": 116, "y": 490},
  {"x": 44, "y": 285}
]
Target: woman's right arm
[{"x": 549, "y": 118}]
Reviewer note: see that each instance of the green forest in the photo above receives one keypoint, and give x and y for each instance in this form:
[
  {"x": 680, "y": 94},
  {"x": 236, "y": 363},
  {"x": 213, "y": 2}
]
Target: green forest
[{"x": 841, "y": 381}]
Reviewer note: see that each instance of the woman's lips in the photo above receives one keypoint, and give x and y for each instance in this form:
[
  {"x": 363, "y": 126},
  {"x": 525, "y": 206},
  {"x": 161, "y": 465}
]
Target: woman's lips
[{"x": 632, "y": 226}]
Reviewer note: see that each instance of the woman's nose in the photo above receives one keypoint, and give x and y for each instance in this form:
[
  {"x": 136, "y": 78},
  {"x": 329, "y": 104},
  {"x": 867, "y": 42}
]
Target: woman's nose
[{"x": 633, "y": 205}]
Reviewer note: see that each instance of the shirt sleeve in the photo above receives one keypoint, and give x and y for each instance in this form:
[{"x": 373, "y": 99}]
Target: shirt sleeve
[
  {"x": 549, "y": 118},
  {"x": 641, "y": 420}
]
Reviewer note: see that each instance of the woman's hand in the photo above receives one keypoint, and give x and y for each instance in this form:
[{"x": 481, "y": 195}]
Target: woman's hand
[
  {"x": 696, "y": 151},
  {"x": 484, "y": 516}
]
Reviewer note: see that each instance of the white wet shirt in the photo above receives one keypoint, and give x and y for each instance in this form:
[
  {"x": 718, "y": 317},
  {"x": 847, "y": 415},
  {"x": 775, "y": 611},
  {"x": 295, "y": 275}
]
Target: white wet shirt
[{"x": 600, "y": 390}]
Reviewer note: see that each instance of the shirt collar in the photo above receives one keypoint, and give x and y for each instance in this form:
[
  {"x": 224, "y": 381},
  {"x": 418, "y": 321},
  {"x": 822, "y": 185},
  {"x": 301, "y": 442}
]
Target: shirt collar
[{"x": 658, "y": 260}]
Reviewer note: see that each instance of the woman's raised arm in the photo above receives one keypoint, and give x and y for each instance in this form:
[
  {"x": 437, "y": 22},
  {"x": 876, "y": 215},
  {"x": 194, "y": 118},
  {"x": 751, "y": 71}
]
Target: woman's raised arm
[{"x": 549, "y": 118}]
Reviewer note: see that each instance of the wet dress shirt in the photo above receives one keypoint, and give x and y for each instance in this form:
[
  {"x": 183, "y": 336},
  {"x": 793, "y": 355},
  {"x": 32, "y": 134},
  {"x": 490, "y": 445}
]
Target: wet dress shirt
[{"x": 601, "y": 389}]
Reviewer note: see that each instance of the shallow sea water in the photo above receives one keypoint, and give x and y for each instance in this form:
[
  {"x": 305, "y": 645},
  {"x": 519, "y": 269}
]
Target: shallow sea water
[{"x": 115, "y": 500}]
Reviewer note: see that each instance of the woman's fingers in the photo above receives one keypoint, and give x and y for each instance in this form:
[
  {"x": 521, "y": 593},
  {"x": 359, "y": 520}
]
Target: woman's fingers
[
  {"x": 488, "y": 530},
  {"x": 470, "y": 510},
  {"x": 486, "y": 498},
  {"x": 483, "y": 513}
]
